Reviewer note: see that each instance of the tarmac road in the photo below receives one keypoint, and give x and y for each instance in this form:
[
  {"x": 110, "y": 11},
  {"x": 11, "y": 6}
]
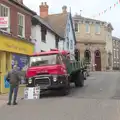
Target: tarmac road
[{"x": 99, "y": 99}]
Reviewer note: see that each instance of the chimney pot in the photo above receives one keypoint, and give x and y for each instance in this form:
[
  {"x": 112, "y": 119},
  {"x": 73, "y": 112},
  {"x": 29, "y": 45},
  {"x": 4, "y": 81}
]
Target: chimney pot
[{"x": 64, "y": 9}]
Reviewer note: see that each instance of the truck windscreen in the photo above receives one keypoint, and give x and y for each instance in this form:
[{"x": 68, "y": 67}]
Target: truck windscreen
[{"x": 44, "y": 60}]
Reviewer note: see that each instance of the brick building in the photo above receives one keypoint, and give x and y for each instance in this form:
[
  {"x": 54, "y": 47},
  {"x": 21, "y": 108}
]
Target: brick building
[{"x": 15, "y": 45}]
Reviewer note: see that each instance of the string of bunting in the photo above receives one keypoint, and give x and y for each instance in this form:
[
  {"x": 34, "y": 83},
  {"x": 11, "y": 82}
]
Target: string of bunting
[{"x": 106, "y": 10}]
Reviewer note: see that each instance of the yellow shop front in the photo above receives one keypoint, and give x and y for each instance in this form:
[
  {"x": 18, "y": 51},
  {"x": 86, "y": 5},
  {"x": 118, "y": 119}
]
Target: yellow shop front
[{"x": 9, "y": 46}]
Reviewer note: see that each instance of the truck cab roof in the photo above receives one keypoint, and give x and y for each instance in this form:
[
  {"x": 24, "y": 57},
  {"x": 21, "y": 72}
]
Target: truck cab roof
[{"x": 63, "y": 52}]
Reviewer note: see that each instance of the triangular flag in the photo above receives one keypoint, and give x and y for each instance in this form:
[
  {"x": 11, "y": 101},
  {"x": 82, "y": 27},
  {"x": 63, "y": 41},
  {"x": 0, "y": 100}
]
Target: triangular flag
[
  {"x": 114, "y": 5},
  {"x": 105, "y": 11}
]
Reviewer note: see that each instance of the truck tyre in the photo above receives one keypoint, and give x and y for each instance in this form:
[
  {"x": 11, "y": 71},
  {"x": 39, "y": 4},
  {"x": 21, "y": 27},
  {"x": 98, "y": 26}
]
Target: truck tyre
[{"x": 79, "y": 82}]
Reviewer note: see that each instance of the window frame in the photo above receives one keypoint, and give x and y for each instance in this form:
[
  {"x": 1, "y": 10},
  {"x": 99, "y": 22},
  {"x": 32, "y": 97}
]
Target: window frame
[
  {"x": 43, "y": 34},
  {"x": 97, "y": 28},
  {"x": 7, "y": 29},
  {"x": 23, "y": 32},
  {"x": 88, "y": 28},
  {"x": 77, "y": 26}
]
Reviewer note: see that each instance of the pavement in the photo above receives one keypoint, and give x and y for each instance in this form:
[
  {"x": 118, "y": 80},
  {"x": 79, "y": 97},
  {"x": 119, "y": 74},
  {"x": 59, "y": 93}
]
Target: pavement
[{"x": 99, "y": 99}]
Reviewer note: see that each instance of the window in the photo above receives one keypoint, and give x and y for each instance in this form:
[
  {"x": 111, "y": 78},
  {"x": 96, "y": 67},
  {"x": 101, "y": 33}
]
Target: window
[
  {"x": 43, "y": 34},
  {"x": 71, "y": 44},
  {"x": 21, "y": 25},
  {"x": 45, "y": 60},
  {"x": 4, "y": 12},
  {"x": 117, "y": 54},
  {"x": 76, "y": 27},
  {"x": 87, "y": 28},
  {"x": 67, "y": 43},
  {"x": 68, "y": 29},
  {"x": 56, "y": 41},
  {"x": 97, "y": 28},
  {"x": 114, "y": 53}
]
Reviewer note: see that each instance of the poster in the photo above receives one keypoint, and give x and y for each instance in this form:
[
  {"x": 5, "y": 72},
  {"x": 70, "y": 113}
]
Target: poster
[
  {"x": 20, "y": 60},
  {"x": 32, "y": 93}
]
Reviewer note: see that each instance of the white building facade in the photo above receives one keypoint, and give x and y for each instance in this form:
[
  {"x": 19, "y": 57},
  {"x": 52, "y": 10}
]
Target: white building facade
[{"x": 46, "y": 39}]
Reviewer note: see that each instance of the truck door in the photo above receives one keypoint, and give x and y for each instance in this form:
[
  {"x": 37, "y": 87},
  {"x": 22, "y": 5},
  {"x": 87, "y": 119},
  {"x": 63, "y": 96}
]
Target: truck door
[{"x": 66, "y": 61}]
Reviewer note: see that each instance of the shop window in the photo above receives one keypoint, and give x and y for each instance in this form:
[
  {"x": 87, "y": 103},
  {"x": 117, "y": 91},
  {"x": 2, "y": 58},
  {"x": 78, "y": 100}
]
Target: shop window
[
  {"x": 22, "y": 62},
  {"x": 21, "y": 25}
]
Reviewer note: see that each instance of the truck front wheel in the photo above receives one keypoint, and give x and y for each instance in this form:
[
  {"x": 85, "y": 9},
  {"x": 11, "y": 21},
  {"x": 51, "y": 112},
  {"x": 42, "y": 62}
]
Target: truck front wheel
[{"x": 79, "y": 82}]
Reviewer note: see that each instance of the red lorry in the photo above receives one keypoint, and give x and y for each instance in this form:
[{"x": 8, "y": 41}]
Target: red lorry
[{"x": 54, "y": 70}]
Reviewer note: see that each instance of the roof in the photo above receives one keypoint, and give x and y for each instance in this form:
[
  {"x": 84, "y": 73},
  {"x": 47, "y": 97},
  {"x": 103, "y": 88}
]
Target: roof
[
  {"x": 115, "y": 38},
  {"x": 79, "y": 17},
  {"x": 42, "y": 21},
  {"x": 58, "y": 22},
  {"x": 23, "y": 6},
  {"x": 51, "y": 52}
]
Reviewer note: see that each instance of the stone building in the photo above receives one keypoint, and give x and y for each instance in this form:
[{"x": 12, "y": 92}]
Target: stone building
[
  {"x": 116, "y": 53},
  {"x": 94, "y": 41}
]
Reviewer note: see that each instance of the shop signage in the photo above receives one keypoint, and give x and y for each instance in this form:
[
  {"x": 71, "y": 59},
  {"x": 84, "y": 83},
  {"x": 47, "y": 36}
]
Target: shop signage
[
  {"x": 3, "y": 22},
  {"x": 15, "y": 46}
]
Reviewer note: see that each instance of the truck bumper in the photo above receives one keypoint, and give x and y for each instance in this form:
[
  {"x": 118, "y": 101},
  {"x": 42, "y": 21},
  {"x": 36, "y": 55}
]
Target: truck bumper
[{"x": 49, "y": 82}]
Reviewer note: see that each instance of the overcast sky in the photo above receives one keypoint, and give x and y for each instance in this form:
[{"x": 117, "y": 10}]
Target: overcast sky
[{"x": 89, "y": 8}]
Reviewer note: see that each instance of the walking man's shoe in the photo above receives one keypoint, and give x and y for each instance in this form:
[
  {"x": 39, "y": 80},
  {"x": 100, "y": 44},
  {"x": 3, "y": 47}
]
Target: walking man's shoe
[
  {"x": 14, "y": 103},
  {"x": 8, "y": 103}
]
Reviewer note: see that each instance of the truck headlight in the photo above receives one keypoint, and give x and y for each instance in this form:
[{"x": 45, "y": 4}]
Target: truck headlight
[
  {"x": 30, "y": 80},
  {"x": 54, "y": 79}
]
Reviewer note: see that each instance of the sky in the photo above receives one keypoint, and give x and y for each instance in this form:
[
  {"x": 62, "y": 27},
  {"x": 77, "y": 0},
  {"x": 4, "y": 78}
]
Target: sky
[{"x": 89, "y": 9}]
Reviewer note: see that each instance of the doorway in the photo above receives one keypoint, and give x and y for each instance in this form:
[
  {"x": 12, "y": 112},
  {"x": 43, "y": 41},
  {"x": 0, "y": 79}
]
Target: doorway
[{"x": 97, "y": 55}]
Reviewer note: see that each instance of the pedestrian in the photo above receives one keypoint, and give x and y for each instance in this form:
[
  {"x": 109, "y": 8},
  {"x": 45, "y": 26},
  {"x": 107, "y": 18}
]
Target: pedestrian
[{"x": 14, "y": 79}]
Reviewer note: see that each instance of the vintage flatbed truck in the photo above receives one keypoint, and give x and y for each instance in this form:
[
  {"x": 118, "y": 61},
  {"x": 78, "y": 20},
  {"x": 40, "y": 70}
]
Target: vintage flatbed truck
[{"x": 55, "y": 70}]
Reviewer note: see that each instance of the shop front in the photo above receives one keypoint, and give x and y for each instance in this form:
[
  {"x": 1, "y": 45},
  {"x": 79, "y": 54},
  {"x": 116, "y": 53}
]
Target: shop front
[{"x": 12, "y": 51}]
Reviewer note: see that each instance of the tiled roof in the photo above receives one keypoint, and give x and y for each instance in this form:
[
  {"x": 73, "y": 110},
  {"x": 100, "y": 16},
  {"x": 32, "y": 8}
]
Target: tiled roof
[
  {"x": 58, "y": 23},
  {"x": 42, "y": 21}
]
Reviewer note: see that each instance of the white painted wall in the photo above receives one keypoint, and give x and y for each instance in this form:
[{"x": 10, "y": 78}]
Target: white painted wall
[
  {"x": 69, "y": 34},
  {"x": 39, "y": 45}
]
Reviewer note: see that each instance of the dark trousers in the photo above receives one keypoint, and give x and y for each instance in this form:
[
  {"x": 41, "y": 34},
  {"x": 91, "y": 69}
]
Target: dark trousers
[{"x": 13, "y": 88}]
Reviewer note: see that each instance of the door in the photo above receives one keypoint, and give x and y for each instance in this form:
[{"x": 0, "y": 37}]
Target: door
[{"x": 97, "y": 55}]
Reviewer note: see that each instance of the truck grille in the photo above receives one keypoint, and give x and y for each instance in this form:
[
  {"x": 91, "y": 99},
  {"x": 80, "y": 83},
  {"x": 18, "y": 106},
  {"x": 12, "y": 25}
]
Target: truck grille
[{"x": 42, "y": 81}]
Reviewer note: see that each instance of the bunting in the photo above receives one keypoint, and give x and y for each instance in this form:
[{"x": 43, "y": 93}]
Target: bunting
[{"x": 106, "y": 10}]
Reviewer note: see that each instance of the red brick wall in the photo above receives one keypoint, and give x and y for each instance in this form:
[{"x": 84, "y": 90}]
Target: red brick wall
[{"x": 13, "y": 19}]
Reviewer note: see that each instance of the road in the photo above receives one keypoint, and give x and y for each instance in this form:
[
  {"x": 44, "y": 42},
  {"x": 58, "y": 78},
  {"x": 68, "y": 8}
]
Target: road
[{"x": 98, "y": 100}]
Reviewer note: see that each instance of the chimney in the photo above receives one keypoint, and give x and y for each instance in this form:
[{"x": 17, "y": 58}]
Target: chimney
[
  {"x": 44, "y": 10},
  {"x": 64, "y": 9}
]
